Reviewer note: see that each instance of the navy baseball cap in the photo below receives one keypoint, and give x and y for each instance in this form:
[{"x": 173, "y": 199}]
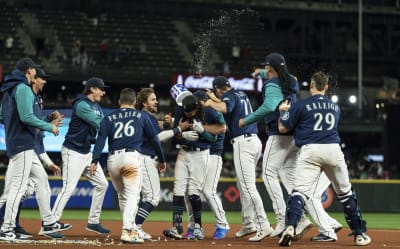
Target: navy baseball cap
[
  {"x": 40, "y": 72},
  {"x": 220, "y": 81},
  {"x": 25, "y": 63},
  {"x": 274, "y": 60},
  {"x": 200, "y": 95},
  {"x": 95, "y": 82},
  {"x": 189, "y": 103}
]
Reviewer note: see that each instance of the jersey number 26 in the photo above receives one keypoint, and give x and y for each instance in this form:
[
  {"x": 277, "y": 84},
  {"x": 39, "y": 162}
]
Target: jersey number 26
[{"x": 124, "y": 129}]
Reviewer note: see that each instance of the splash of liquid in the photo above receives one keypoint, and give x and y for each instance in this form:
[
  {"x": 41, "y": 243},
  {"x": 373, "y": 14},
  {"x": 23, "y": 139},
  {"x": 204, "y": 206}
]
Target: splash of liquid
[{"x": 225, "y": 25}]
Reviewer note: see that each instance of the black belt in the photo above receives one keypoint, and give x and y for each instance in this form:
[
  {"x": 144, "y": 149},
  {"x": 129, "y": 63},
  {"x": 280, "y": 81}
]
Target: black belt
[
  {"x": 244, "y": 135},
  {"x": 249, "y": 135},
  {"x": 112, "y": 152},
  {"x": 190, "y": 148}
]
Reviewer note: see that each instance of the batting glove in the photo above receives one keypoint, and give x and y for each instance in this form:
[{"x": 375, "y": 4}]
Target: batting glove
[
  {"x": 190, "y": 135},
  {"x": 197, "y": 126}
]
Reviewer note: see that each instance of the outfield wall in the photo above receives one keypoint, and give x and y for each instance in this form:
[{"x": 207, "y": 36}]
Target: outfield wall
[{"x": 373, "y": 195}]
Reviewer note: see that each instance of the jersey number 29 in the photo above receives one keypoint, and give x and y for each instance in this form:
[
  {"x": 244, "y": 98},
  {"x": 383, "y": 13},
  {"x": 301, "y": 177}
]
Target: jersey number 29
[{"x": 321, "y": 119}]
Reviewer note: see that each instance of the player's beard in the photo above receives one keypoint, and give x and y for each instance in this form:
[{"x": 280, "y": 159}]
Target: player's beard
[{"x": 152, "y": 109}]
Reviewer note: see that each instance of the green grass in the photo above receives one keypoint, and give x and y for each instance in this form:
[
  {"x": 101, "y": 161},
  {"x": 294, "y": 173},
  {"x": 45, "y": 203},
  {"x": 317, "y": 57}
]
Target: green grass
[{"x": 375, "y": 220}]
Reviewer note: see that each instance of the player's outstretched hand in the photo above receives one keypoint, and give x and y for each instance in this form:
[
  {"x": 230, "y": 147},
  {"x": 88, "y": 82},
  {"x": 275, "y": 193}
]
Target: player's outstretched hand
[
  {"x": 162, "y": 167},
  {"x": 56, "y": 169},
  {"x": 190, "y": 135},
  {"x": 197, "y": 126}
]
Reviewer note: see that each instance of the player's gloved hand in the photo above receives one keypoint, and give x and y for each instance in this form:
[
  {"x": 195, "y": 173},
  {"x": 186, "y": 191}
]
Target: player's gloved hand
[
  {"x": 190, "y": 135},
  {"x": 197, "y": 126}
]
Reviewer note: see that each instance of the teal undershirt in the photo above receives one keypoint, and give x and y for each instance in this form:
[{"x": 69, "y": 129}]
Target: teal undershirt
[
  {"x": 24, "y": 98},
  {"x": 273, "y": 96},
  {"x": 86, "y": 113}
]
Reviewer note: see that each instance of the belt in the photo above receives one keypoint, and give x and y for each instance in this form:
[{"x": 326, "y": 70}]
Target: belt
[
  {"x": 112, "y": 152},
  {"x": 190, "y": 148},
  {"x": 153, "y": 157},
  {"x": 244, "y": 135}
]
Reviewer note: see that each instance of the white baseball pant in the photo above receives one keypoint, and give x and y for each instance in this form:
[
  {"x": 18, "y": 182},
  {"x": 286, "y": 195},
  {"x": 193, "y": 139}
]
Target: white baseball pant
[
  {"x": 126, "y": 176},
  {"x": 314, "y": 206},
  {"x": 190, "y": 172},
  {"x": 24, "y": 171},
  {"x": 214, "y": 168},
  {"x": 74, "y": 165},
  {"x": 279, "y": 160},
  {"x": 246, "y": 153},
  {"x": 151, "y": 180}
]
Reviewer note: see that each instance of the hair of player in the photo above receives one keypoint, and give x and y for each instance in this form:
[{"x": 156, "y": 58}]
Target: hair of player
[
  {"x": 142, "y": 97},
  {"x": 127, "y": 96},
  {"x": 284, "y": 78},
  {"x": 320, "y": 79}
]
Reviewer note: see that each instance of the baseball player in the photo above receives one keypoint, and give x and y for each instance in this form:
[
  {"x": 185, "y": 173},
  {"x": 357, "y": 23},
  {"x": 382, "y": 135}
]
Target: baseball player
[
  {"x": 191, "y": 165},
  {"x": 246, "y": 151},
  {"x": 314, "y": 121},
  {"x": 76, "y": 155},
  {"x": 125, "y": 129},
  {"x": 37, "y": 87},
  {"x": 21, "y": 123},
  {"x": 147, "y": 101},
  {"x": 214, "y": 167},
  {"x": 280, "y": 151}
]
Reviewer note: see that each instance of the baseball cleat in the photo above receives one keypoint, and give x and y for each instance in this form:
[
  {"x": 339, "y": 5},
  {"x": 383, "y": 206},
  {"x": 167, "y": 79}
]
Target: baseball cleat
[
  {"x": 131, "y": 237},
  {"x": 172, "y": 233},
  {"x": 260, "y": 235},
  {"x": 198, "y": 232},
  {"x": 143, "y": 234},
  {"x": 244, "y": 231},
  {"x": 287, "y": 236},
  {"x": 322, "y": 238},
  {"x": 22, "y": 232},
  {"x": 220, "y": 233},
  {"x": 54, "y": 228},
  {"x": 55, "y": 235},
  {"x": 279, "y": 228},
  {"x": 10, "y": 236},
  {"x": 302, "y": 228},
  {"x": 362, "y": 240},
  {"x": 97, "y": 228},
  {"x": 189, "y": 234}
]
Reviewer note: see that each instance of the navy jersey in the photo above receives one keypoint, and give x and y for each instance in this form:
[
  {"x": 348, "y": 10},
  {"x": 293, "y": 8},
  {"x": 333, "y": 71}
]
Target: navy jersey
[
  {"x": 237, "y": 106},
  {"x": 206, "y": 116},
  {"x": 271, "y": 119},
  {"x": 147, "y": 148},
  {"x": 314, "y": 121},
  {"x": 85, "y": 120},
  {"x": 218, "y": 146},
  {"x": 125, "y": 129}
]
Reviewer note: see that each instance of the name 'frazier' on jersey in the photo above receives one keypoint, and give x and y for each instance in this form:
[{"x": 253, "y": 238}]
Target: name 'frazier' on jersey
[{"x": 129, "y": 114}]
